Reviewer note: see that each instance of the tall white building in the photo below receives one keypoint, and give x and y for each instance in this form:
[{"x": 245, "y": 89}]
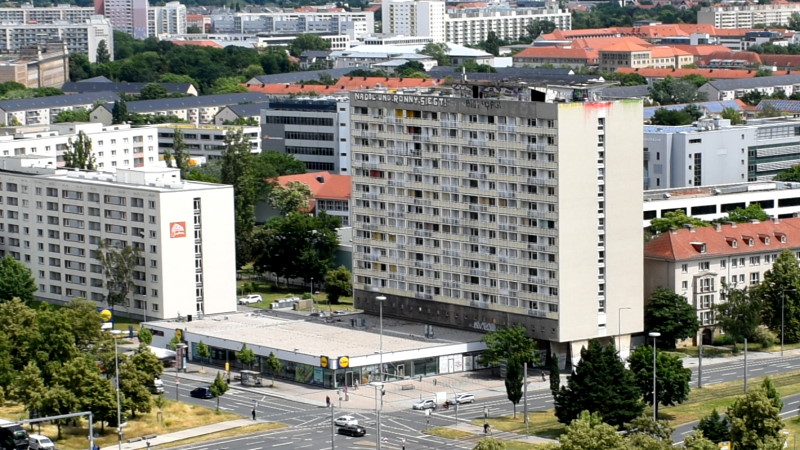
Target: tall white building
[
  {"x": 356, "y": 25},
  {"x": 415, "y": 18},
  {"x": 166, "y": 20},
  {"x": 128, "y": 16},
  {"x": 465, "y": 26},
  {"x": 114, "y": 146},
  {"x": 81, "y": 37},
  {"x": 747, "y": 15},
  {"x": 54, "y": 219},
  {"x": 485, "y": 206},
  {"x": 27, "y": 13}
]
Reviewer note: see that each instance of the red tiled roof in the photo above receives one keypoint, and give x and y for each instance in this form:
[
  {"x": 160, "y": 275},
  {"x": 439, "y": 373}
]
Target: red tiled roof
[
  {"x": 344, "y": 85},
  {"x": 666, "y": 52},
  {"x": 702, "y": 50},
  {"x": 557, "y": 52},
  {"x": 724, "y": 74},
  {"x": 685, "y": 244},
  {"x": 749, "y": 57},
  {"x": 323, "y": 185},
  {"x": 624, "y": 46},
  {"x": 781, "y": 61},
  {"x": 200, "y": 43},
  {"x": 598, "y": 43}
]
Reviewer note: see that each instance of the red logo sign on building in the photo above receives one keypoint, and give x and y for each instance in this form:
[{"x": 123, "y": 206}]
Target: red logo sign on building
[{"x": 177, "y": 229}]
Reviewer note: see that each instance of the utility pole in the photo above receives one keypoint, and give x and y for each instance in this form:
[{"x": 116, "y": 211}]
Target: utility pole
[{"x": 525, "y": 396}]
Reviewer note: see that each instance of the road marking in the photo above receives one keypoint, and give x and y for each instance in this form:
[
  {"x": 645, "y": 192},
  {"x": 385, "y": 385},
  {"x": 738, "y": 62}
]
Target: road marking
[{"x": 282, "y": 444}]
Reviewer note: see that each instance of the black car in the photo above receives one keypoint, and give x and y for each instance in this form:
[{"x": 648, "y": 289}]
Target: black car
[
  {"x": 353, "y": 430},
  {"x": 201, "y": 392}
]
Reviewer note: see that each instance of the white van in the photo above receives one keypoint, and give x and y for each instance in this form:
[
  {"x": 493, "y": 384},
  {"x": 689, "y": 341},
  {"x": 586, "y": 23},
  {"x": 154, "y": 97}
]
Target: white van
[
  {"x": 157, "y": 387},
  {"x": 37, "y": 441}
]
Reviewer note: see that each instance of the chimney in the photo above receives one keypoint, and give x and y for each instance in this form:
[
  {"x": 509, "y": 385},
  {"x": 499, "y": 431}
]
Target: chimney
[
  {"x": 689, "y": 227},
  {"x": 775, "y": 220},
  {"x": 732, "y": 224},
  {"x": 754, "y": 221},
  {"x": 718, "y": 227},
  {"x": 673, "y": 230}
]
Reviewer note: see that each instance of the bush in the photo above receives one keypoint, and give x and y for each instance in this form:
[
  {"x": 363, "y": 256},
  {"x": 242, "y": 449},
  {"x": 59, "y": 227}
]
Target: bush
[
  {"x": 765, "y": 337},
  {"x": 307, "y": 296},
  {"x": 723, "y": 339}
]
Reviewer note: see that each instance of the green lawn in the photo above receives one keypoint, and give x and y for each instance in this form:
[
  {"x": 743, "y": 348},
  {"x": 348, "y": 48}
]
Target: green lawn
[{"x": 270, "y": 293}]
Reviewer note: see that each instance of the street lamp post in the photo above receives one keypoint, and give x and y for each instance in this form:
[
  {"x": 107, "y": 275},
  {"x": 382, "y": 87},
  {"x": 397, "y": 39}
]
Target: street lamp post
[
  {"x": 654, "y": 335},
  {"x": 178, "y": 363},
  {"x": 377, "y": 385},
  {"x": 380, "y": 300},
  {"x": 619, "y": 329}
]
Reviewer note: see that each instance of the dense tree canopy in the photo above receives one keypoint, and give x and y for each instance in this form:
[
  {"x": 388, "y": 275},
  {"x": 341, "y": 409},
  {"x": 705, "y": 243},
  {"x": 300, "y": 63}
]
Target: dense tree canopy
[
  {"x": 672, "y": 379},
  {"x": 601, "y": 384},
  {"x": 780, "y": 292},
  {"x": 305, "y": 42},
  {"x": 755, "y": 422},
  {"x": 740, "y": 314},
  {"x": 670, "y": 91},
  {"x": 16, "y": 280},
  {"x": 670, "y": 314},
  {"x": 675, "y": 219}
]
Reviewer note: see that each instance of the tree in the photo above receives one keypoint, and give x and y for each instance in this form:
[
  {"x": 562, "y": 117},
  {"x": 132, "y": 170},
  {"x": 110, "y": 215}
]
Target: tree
[
  {"x": 79, "y": 154},
  {"x": 79, "y": 67},
  {"x": 145, "y": 336},
  {"x": 600, "y": 384},
  {"x": 670, "y": 117},
  {"x": 227, "y": 85},
  {"x": 307, "y": 41},
  {"x": 645, "y": 432},
  {"x": 772, "y": 393},
  {"x": 555, "y": 374},
  {"x": 274, "y": 365},
  {"x": 271, "y": 164},
  {"x": 338, "y": 283},
  {"x": 410, "y": 69},
  {"x": 16, "y": 280},
  {"x": 118, "y": 267},
  {"x": 733, "y": 115},
  {"x": 539, "y": 27},
  {"x": 28, "y": 387},
  {"x": 714, "y": 427},
  {"x": 437, "y": 51},
  {"x": 752, "y": 98},
  {"x": 670, "y": 91},
  {"x": 699, "y": 442},
  {"x": 58, "y": 400},
  {"x": 119, "y": 112},
  {"x": 779, "y": 296},
  {"x": 492, "y": 44},
  {"x": 178, "y": 154},
  {"x": 588, "y": 432},
  {"x": 512, "y": 346},
  {"x": 202, "y": 351},
  {"x": 755, "y": 422},
  {"x": 794, "y": 21},
  {"x": 292, "y": 198},
  {"x": 769, "y": 110},
  {"x": 754, "y": 211},
  {"x": 672, "y": 315},
  {"x": 695, "y": 79},
  {"x": 296, "y": 246},
  {"x": 219, "y": 388},
  {"x": 237, "y": 170},
  {"x": 102, "y": 52},
  {"x": 790, "y": 174},
  {"x": 72, "y": 115},
  {"x": 672, "y": 379},
  {"x": 246, "y": 356},
  {"x": 152, "y": 91},
  {"x": 740, "y": 314},
  {"x": 489, "y": 443},
  {"x": 675, "y": 219}
]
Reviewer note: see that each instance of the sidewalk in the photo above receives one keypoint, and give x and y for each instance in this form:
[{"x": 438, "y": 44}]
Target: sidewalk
[{"x": 183, "y": 434}]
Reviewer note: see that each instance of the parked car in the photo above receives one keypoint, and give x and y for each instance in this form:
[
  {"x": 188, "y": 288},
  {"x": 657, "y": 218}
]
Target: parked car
[
  {"x": 353, "y": 430},
  {"x": 202, "y": 392},
  {"x": 425, "y": 404},
  {"x": 345, "y": 421},
  {"x": 37, "y": 442},
  {"x": 248, "y": 299},
  {"x": 463, "y": 398}
]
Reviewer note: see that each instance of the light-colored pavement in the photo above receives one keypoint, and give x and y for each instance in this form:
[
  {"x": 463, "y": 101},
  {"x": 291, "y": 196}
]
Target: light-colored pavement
[{"x": 183, "y": 434}]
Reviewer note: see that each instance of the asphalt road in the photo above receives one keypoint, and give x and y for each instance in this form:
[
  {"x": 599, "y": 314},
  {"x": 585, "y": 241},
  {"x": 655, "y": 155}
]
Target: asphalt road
[{"x": 310, "y": 426}]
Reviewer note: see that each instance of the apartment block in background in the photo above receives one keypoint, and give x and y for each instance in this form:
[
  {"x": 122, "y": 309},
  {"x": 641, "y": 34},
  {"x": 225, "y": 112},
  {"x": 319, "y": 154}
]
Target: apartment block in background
[
  {"x": 54, "y": 219},
  {"x": 489, "y": 205}
]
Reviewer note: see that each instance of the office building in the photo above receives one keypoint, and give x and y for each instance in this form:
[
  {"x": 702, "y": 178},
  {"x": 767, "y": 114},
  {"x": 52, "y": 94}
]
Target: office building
[
  {"x": 314, "y": 131},
  {"x": 54, "y": 220},
  {"x": 487, "y": 205},
  {"x": 206, "y": 141},
  {"x": 114, "y": 146},
  {"x": 128, "y": 16},
  {"x": 80, "y": 37},
  {"x": 714, "y": 152}
]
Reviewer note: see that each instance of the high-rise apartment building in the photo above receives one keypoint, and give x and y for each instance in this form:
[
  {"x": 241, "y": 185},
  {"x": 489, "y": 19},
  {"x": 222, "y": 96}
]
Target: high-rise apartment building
[
  {"x": 46, "y": 14},
  {"x": 128, "y": 16},
  {"x": 483, "y": 206},
  {"x": 81, "y": 36},
  {"x": 747, "y": 15},
  {"x": 356, "y": 25},
  {"x": 166, "y": 20},
  {"x": 52, "y": 220},
  {"x": 415, "y": 18}
]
